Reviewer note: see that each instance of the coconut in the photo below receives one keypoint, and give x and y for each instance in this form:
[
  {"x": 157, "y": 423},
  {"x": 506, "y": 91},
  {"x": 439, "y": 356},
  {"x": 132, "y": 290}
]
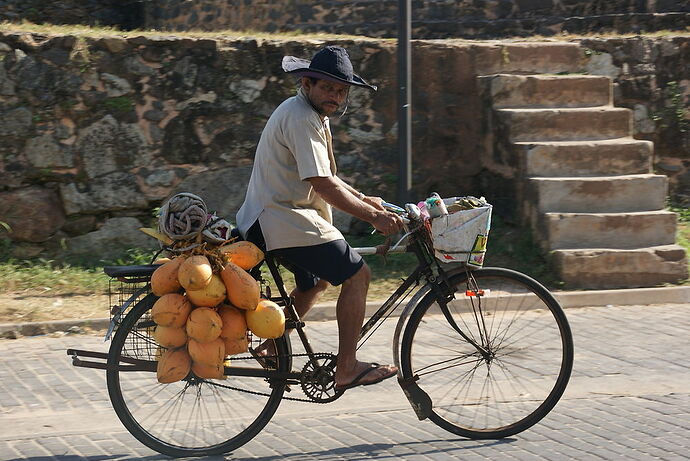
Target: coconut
[
  {"x": 267, "y": 320},
  {"x": 195, "y": 273},
  {"x": 173, "y": 366},
  {"x": 234, "y": 323},
  {"x": 236, "y": 345},
  {"x": 204, "y": 324},
  {"x": 164, "y": 279},
  {"x": 171, "y": 310},
  {"x": 170, "y": 337},
  {"x": 211, "y": 295},
  {"x": 211, "y": 353},
  {"x": 208, "y": 371},
  {"x": 243, "y": 290},
  {"x": 244, "y": 254}
]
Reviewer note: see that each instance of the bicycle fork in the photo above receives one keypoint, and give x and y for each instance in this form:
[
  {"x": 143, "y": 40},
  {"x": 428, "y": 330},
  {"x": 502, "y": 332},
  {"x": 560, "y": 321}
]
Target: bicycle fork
[{"x": 419, "y": 400}]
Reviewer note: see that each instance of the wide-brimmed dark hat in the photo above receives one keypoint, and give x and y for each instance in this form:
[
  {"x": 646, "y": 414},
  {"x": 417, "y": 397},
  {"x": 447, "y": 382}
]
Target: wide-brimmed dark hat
[{"x": 332, "y": 63}]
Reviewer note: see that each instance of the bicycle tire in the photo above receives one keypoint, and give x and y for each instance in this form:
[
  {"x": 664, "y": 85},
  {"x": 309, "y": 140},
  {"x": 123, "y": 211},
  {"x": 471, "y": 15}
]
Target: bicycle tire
[
  {"x": 193, "y": 417},
  {"x": 527, "y": 359}
]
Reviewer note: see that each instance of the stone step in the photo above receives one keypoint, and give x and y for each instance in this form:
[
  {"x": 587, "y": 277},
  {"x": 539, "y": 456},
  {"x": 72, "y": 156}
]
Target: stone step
[
  {"x": 607, "y": 230},
  {"x": 601, "y": 194},
  {"x": 586, "y": 158},
  {"x": 539, "y": 91},
  {"x": 528, "y": 58},
  {"x": 614, "y": 268},
  {"x": 578, "y": 124}
]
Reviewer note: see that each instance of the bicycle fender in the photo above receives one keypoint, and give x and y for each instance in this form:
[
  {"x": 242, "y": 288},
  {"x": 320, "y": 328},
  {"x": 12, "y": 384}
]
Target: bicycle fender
[
  {"x": 402, "y": 320},
  {"x": 419, "y": 400}
]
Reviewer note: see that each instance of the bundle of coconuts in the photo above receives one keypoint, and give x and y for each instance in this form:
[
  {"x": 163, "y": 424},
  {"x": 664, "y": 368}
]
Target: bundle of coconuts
[{"x": 208, "y": 303}]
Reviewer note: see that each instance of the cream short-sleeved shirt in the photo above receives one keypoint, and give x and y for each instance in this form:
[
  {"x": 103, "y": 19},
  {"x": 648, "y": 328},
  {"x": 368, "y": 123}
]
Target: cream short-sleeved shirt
[{"x": 295, "y": 145}]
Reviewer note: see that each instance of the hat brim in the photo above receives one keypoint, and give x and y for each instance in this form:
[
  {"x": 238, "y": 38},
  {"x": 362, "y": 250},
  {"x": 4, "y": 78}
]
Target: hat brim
[{"x": 300, "y": 67}]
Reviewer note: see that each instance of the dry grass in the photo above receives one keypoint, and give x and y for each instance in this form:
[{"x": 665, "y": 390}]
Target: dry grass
[
  {"x": 230, "y": 34},
  {"x": 99, "y": 32}
]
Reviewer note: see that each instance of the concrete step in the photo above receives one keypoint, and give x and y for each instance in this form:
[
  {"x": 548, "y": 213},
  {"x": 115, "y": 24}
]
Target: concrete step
[
  {"x": 607, "y": 230},
  {"x": 615, "y": 268},
  {"x": 528, "y": 58},
  {"x": 539, "y": 91},
  {"x": 586, "y": 158},
  {"x": 601, "y": 194},
  {"x": 579, "y": 124}
]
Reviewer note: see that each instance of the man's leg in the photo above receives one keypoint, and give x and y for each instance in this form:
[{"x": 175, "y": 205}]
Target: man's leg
[
  {"x": 350, "y": 311},
  {"x": 303, "y": 302}
]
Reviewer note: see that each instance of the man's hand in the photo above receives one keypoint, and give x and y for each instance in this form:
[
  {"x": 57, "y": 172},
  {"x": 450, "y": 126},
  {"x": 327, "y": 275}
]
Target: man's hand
[
  {"x": 376, "y": 202},
  {"x": 387, "y": 223}
]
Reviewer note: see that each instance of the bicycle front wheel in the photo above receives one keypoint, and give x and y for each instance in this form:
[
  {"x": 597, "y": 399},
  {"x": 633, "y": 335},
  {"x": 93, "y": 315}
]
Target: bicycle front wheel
[
  {"x": 192, "y": 417},
  {"x": 510, "y": 368}
]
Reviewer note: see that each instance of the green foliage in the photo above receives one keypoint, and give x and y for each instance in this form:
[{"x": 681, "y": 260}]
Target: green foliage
[
  {"x": 673, "y": 115},
  {"x": 39, "y": 276},
  {"x": 120, "y": 104}
]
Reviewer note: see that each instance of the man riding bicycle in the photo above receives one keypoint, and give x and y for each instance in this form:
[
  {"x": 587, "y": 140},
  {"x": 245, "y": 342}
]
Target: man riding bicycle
[{"x": 287, "y": 209}]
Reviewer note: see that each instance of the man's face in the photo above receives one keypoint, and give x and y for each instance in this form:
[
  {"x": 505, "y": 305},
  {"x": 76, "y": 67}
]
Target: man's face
[{"x": 325, "y": 96}]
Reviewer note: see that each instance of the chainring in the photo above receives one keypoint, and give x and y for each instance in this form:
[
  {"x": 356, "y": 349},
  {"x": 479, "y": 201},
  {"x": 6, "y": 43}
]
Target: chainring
[{"x": 318, "y": 378}]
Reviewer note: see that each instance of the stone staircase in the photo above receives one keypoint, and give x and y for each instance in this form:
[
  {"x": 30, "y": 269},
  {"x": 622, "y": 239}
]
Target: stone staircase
[{"x": 584, "y": 184}]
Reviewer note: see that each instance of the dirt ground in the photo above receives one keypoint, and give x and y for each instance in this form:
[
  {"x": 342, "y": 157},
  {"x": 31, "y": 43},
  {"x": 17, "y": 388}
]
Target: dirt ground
[{"x": 25, "y": 307}]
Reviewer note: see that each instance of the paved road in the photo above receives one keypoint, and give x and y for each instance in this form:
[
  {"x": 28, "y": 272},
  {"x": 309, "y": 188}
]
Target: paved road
[{"x": 629, "y": 398}]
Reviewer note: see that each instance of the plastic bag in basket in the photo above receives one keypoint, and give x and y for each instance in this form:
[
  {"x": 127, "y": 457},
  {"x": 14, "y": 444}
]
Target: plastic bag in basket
[{"x": 462, "y": 236}]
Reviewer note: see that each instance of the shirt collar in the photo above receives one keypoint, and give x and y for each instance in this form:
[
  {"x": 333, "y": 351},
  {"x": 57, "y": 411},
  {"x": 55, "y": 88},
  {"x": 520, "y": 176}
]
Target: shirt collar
[{"x": 301, "y": 95}]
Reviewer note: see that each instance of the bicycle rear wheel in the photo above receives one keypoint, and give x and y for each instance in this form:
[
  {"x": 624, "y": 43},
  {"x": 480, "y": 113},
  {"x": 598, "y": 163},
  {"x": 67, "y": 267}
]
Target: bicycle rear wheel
[
  {"x": 518, "y": 372},
  {"x": 192, "y": 417}
]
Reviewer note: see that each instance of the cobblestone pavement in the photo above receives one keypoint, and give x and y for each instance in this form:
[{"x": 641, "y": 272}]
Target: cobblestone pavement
[{"x": 629, "y": 398}]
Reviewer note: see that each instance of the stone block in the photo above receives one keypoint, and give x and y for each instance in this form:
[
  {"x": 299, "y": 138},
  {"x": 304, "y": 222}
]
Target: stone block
[
  {"x": 614, "y": 268},
  {"x": 34, "y": 214},
  {"x": 586, "y": 158},
  {"x": 223, "y": 190},
  {"x": 116, "y": 191},
  {"x": 537, "y": 91},
  {"x": 607, "y": 230},
  {"x": 602, "y": 194},
  {"x": 116, "y": 236},
  {"x": 529, "y": 58},
  {"x": 579, "y": 124}
]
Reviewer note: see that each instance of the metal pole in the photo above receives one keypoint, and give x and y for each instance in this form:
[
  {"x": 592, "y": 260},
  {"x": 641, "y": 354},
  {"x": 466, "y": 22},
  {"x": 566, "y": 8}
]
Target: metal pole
[{"x": 404, "y": 102}]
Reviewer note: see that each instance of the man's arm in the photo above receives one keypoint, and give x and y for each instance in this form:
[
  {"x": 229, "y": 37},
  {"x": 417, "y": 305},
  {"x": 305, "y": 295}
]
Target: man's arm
[
  {"x": 344, "y": 197},
  {"x": 373, "y": 201}
]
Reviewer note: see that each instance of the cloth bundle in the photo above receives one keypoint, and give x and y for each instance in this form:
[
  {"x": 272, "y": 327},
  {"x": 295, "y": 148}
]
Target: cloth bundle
[{"x": 183, "y": 217}]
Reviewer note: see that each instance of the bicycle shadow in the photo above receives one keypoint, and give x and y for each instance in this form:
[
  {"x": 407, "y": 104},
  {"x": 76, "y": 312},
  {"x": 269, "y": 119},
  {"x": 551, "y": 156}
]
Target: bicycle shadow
[{"x": 362, "y": 452}]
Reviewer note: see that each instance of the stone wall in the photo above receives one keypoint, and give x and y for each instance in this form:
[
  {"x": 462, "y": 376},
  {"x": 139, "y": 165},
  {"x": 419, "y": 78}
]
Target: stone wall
[
  {"x": 652, "y": 79},
  {"x": 431, "y": 18},
  {"x": 96, "y": 132},
  {"x": 125, "y": 14}
]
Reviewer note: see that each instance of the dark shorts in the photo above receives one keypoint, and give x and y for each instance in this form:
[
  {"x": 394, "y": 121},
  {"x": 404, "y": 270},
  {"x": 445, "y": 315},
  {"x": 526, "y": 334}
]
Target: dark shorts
[{"x": 334, "y": 261}]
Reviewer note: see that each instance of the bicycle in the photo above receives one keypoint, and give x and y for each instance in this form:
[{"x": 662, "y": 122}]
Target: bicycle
[{"x": 483, "y": 353}]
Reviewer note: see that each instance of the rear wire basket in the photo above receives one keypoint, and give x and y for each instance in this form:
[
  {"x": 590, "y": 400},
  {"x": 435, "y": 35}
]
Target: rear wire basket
[{"x": 124, "y": 293}]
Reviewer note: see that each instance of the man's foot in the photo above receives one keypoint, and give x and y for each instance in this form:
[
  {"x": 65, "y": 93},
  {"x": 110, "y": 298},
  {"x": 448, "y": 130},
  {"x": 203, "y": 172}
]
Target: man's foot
[
  {"x": 367, "y": 374},
  {"x": 265, "y": 354}
]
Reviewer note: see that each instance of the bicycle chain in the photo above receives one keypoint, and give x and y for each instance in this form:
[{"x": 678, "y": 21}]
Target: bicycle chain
[{"x": 295, "y": 399}]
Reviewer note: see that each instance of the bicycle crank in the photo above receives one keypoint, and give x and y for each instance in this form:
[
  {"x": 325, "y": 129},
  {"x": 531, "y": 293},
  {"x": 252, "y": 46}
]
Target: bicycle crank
[{"x": 318, "y": 378}]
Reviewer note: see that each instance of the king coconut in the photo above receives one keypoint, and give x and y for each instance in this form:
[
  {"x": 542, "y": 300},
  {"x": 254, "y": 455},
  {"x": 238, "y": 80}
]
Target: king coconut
[{"x": 208, "y": 305}]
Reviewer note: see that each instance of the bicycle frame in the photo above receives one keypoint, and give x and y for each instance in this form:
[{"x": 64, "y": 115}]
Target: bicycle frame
[{"x": 428, "y": 269}]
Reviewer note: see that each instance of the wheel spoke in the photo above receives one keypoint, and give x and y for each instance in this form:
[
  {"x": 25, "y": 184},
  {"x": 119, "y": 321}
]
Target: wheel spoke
[
  {"x": 516, "y": 381},
  {"x": 192, "y": 417}
]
